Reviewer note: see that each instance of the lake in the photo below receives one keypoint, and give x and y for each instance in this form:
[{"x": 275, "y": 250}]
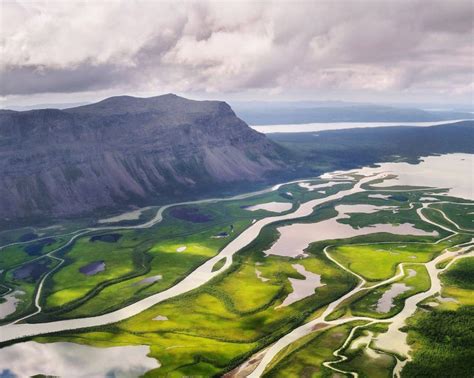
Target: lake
[{"x": 310, "y": 127}]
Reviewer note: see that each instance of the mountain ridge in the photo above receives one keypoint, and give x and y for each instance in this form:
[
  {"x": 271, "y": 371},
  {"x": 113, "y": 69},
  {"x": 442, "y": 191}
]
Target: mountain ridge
[{"x": 125, "y": 151}]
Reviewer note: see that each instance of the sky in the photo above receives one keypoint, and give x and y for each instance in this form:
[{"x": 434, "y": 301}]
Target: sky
[{"x": 370, "y": 51}]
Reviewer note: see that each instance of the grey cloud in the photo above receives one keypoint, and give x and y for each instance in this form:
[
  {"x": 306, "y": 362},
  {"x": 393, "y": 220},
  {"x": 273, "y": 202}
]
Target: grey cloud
[
  {"x": 26, "y": 80},
  {"x": 227, "y": 47}
]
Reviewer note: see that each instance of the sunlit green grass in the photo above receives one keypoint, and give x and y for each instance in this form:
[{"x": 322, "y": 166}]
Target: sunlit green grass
[
  {"x": 69, "y": 284},
  {"x": 376, "y": 262},
  {"x": 215, "y": 327},
  {"x": 366, "y": 306},
  {"x": 235, "y": 312},
  {"x": 16, "y": 255}
]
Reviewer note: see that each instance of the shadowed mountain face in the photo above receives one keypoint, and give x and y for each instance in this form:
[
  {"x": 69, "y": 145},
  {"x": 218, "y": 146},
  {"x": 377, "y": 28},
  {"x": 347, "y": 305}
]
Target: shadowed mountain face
[{"x": 124, "y": 150}]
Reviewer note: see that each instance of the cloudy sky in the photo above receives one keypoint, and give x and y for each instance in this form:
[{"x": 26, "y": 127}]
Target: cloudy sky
[{"x": 389, "y": 51}]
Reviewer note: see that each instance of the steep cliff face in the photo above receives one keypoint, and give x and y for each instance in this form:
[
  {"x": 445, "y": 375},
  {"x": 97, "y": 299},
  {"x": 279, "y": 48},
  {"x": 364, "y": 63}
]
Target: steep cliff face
[{"x": 124, "y": 150}]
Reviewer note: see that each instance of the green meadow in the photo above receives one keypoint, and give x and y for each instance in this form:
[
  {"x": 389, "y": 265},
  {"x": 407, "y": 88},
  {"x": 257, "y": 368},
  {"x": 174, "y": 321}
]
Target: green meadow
[
  {"x": 379, "y": 261},
  {"x": 416, "y": 279},
  {"x": 216, "y": 327}
]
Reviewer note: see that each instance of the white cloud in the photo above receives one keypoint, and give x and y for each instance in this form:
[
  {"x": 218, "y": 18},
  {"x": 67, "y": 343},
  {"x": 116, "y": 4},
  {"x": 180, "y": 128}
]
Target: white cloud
[{"x": 222, "y": 47}]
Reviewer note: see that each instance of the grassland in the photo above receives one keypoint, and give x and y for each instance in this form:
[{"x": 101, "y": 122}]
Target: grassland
[
  {"x": 307, "y": 355},
  {"x": 417, "y": 283},
  {"x": 138, "y": 254},
  {"x": 238, "y": 309},
  {"x": 214, "y": 328},
  {"x": 379, "y": 261},
  {"x": 16, "y": 255},
  {"x": 234, "y": 315}
]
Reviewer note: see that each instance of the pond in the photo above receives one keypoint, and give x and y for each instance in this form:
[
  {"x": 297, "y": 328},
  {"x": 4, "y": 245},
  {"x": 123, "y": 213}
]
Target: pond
[
  {"x": 128, "y": 216},
  {"x": 190, "y": 214},
  {"x": 310, "y": 187},
  {"x": 275, "y": 207},
  {"x": 385, "y": 302},
  {"x": 107, "y": 238},
  {"x": 149, "y": 280},
  {"x": 302, "y": 288},
  {"x": 11, "y": 300},
  {"x": 31, "y": 271},
  {"x": 36, "y": 248},
  {"x": 93, "y": 268}
]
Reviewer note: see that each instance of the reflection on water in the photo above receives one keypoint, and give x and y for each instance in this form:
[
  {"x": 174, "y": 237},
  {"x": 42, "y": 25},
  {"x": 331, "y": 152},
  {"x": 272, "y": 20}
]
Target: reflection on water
[
  {"x": 302, "y": 288},
  {"x": 275, "y": 207},
  {"x": 310, "y": 187},
  {"x": 452, "y": 171},
  {"x": 295, "y": 238},
  {"x": 93, "y": 268},
  {"x": 385, "y": 303},
  {"x": 321, "y": 126},
  {"x": 131, "y": 215},
  {"x": 10, "y": 302},
  {"x": 74, "y": 360}
]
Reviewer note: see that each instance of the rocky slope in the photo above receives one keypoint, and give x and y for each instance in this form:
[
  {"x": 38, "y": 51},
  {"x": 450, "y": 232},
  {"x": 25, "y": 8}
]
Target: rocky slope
[{"x": 124, "y": 150}]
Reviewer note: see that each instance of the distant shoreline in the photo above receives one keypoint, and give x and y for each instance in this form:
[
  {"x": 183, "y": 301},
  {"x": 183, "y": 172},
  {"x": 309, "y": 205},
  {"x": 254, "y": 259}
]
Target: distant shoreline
[{"x": 325, "y": 126}]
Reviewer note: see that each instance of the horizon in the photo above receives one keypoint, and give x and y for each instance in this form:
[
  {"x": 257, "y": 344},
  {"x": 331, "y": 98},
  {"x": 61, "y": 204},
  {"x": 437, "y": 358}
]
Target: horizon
[{"x": 436, "y": 107}]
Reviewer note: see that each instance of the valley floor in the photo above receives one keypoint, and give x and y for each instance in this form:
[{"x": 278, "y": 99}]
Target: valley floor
[{"x": 335, "y": 276}]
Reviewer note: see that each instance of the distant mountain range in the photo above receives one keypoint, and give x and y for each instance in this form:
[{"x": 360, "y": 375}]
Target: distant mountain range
[
  {"x": 276, "y": 113},
  {"x": 125, "y": 150}
]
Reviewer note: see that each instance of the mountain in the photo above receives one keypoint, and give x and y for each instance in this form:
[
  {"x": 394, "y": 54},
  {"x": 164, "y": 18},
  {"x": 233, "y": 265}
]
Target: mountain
[
  {"x": 268, "y": 113},
  {"x": 125, "y": 150}
]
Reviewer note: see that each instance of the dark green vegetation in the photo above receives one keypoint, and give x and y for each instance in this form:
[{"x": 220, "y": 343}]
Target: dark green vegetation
[
  {"x": 462, "y": 214},
  {"x": 338, "y": 149},
  {"x": 458, "y": 284},
  {"x": 461, "y": 274},
  {"x": 443, "y": 342},
  {"x": 308, "y": 354},
  {"x": 443, "y": 337},
  {"x": 365, "y": 361},
  {"x": 218, "y": 265}
]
